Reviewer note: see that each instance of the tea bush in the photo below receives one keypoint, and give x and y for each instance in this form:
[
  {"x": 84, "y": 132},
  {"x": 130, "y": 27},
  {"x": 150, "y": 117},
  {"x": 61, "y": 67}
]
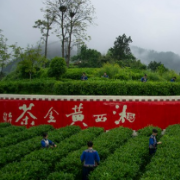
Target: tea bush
[
  {"x": 25, "y": 170},
  {"x": 17, "y": 151},
  {"x": 105, "y": 144},
  {"x": 91, "y": 87},
  {"x": 51, "y": 156},
  {"x": 17, "y": 137},
  {"x": 63, "y": 176},
  {"x": 165, "y": 164},
  {"x": 126, "y": 162},
  {"x": 10, "y": 130},
  {"x": 4, "y": 125}
]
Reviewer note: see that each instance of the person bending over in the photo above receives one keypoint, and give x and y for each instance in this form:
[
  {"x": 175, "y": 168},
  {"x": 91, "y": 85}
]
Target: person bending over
[{"x": 45, "y": 143}]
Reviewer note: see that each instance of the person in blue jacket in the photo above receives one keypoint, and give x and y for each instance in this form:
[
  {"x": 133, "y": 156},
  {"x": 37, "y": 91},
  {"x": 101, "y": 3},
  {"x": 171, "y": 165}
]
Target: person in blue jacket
[
  {"x": 84, "y": 77},
  {"x": 45, "y": 143},
  {"x": 90, "y": 159},
  {"x": 144, "y": 79},
  {"x": 105, "y": 75},
  {"x": 153, "y": 143},
  {"x": 173, "y": 79}
]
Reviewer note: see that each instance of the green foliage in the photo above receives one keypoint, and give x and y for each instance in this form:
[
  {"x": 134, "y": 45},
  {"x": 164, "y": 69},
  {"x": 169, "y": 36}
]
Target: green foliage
[
  {"x": 91, "y": 87},
  {"x": 165, "y": 164},
  {"x": 126, "y": 162},
  {"x": 153, "y": 65},
  {"x": 14, "y": 135},
  {"x": 25, "y": 170},
  {"x": 88, "y": 57},
  {"x": 3, "y": 125},
  {"x": 30, "y": 60},
  {"x": 121, "y": 49},
  {"x": 57, "y": 67},
  {"x": 105, "y": 144},
  {"x": 19, "y": 150},
  {"x": 63, "y": 176},
  {"x": 147, "y": 131},
  {"x": 51, "y": 156},
  {"x": 161, "y": 69},
  {"x": 4, "y": 55},
  {"x": 110, "y": 69},
  {"x": 76, "y": 73},
  {"x": 10, "y": 130}
]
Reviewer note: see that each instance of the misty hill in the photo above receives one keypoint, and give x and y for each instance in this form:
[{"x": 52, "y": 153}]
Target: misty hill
[{"x": 169, "y": 59}]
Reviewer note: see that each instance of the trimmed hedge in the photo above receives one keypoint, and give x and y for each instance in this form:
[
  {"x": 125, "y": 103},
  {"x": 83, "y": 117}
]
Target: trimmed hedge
[
  {"x": 147, "y": 131},
  {"x": 24, "y": 170},
  {"x": 10, "y": 130},
  {"x": 126, "y": 162},
  {"x": 17, "y": 137},
  {"x": 165, "y": 164},
  {"x": 105, "y": 144},
  {"x": 51, "y": 156},
  {"x": 19, "y": 150},
  {"x": 90, "y": 87},
  {"x": 3, "y": 125},
  {"x": 60, "y": 176}
]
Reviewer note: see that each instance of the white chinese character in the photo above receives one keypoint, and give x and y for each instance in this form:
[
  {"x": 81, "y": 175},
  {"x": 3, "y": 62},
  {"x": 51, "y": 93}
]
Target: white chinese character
[
  {"x": 50, "y": 114},
  {"x": 7, "y": 117},
  {"x": 123, "y": 115},
  {"x": 25, "y": 113},
  {"x": 77, "y": 115},
  {"x": 100, "y": 118}
]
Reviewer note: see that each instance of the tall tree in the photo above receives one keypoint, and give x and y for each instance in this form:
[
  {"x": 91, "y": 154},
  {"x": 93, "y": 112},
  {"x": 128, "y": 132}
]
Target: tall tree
[
  {"x": 30, "y": 60},
  {"x": 121, "y": 49},
  {"x": 45, "y": 26},
  {"x": 73, "y": 17},
  {"x": 4, "y": 55}
]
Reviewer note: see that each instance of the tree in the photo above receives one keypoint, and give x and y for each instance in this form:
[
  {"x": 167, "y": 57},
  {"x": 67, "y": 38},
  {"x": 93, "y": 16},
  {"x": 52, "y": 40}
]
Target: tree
[
  {"x": 73, "y": 17},
  {"x": 121, "y": 49},
  {"x": 153, "y": 65},
  {"x": 30, "y": 60},
  {"x": 4, "y": 55},
  {"x": 57, "y": 67},
  {"x": 88, "y": 57},
  {"x": 45, "y": 26}
]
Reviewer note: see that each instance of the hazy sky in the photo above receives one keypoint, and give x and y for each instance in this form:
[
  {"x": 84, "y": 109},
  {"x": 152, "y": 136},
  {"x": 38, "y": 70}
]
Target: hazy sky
[{"x": 152, "y": 24}]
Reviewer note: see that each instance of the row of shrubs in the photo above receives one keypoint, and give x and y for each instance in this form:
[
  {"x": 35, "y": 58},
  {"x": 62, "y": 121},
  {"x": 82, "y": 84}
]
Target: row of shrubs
[
  {"x": 105, "y": 144},
  {"x": 19, "y": 150},
  {"x": 104, "y": 87},
  {"x": 127, "y": 161},
  {"x": 15, "y": 137},
  {"x": 3, "y": 125},
  {"x": 41, "y": 162},
  {"x": 165, "y": 164},
  {"x": 10, "y": 130},
  {"x": 114, "y": 71}
]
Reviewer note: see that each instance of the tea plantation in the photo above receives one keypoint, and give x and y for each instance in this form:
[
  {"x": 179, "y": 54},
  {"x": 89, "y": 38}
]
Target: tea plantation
[{"x": 123, "y": 157}]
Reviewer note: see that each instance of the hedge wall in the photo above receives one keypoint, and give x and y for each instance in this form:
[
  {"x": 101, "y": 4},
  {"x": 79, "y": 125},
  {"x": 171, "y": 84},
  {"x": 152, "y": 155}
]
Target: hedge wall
[{"x": 90, "y": 87}]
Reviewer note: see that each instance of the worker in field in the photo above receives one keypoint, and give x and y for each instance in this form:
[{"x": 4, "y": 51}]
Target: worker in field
[
  {"x": 45, "y": 143},
  {"x": 153, "y": 143},
  {"x": 144, "y": 79},
  {"x": 90, "y": 159},
  {"x": 84, "y": 77},
  {"x": 105, "y": 75},
  {"x": 173, "y": 79}
]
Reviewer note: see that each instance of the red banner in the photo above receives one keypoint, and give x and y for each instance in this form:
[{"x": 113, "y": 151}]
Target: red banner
[{"x": 106, "y": 114}]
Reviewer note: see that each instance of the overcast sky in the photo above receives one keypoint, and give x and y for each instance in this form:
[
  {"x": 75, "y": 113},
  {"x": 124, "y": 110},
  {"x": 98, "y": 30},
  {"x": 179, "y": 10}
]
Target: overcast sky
[{"x": 152, "y": 24}]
